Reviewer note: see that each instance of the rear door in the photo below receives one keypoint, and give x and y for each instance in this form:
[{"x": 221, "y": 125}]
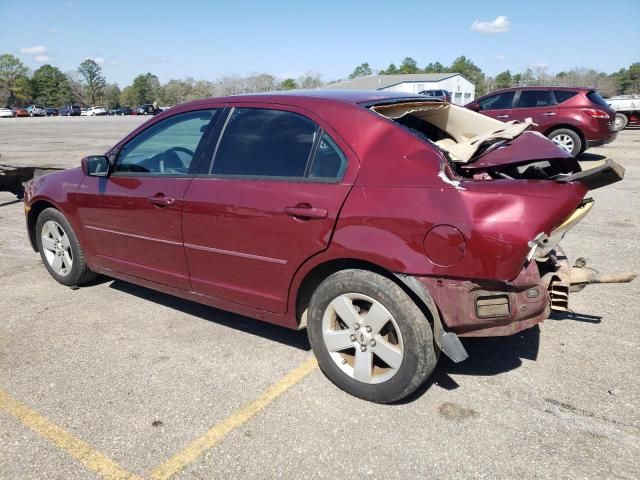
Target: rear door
[
  {"x": 133, "y": 218},
  {"x": 539, "y": 105},
  {"x": 497, "y": 106},
  {"x": 267, "y": 202}
]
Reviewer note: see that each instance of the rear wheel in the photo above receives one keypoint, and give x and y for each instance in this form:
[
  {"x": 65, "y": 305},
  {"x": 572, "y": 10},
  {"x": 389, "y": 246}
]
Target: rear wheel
[
  {"x": 621, "y": 121},
  {"x": 60, "y": 250},
  {"x": 567, "y": 140},
  {"x": 369, "y": 337}
]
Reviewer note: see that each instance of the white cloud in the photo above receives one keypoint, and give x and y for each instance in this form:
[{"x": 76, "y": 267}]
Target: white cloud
[
  {"x": 539, "y": 65},
  {"x": 500, "y": 25},
  {"x": 36, "y": 50},
  {"x": 156, "y": 59},
  {"x": 42, "y": 58},
  {"x": 500, "y": 57},
  {"x": 98, "y": 60}
]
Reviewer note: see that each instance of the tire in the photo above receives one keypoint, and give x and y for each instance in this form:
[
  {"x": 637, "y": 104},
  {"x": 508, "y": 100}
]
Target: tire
[
  {"x": 568, "y": 140},
  {"x": 346, "y": 344},
  {"x": 53, "y": 225},
  {"x": 621, "y": 121}
]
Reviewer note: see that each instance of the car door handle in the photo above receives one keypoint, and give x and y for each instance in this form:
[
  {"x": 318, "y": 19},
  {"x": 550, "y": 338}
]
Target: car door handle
[
  {"x": 503, "y": 116},
  {"x": 306, "y": 212},
  {"x": 548, "y": 114},
  {"x": 161, "y": 200}
]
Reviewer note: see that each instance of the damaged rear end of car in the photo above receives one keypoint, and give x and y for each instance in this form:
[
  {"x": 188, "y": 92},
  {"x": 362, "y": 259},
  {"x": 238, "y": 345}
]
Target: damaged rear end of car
[{"x": 519, "y": 195}]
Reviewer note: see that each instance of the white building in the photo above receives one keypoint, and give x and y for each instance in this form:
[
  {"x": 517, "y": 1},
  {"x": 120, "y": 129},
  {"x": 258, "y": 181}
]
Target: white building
[{"x": 462, "y": 90}]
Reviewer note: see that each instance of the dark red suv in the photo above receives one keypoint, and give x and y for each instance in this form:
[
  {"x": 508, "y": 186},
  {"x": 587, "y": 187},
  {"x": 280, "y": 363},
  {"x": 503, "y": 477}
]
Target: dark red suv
[
  {"x": 388, "y": 225},
  {"x": 573, "y": 118}
]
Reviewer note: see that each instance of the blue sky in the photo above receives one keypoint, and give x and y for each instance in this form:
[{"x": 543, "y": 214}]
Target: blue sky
[{"x": 208, "y": 39}]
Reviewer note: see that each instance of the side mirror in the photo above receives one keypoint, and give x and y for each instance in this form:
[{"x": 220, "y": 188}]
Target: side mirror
[
  {"x": 475, "y": 107},
  {"x": 95, "y": 166}
]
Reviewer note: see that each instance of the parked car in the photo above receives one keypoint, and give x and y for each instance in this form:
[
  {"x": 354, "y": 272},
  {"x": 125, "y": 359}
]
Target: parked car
[
  {"x": 84, "y": 112},
  {"x": 120, "y": 111},
  {"x": 371, "y": 218},
  {"x": 96, "y": 111},
  {"x": 573, "y": 118},
  {"x": 6, "y": 113},
  {"x": 627, "y": 109},
  {"x": 147, "y": 109},
  {"x": 52, "y": 112},
  {"x": 20, "y": 112},
  {"x": 70, "y": 111},
  {"x": 439, "y": 94},
  {"x": 36, "y": 111}
]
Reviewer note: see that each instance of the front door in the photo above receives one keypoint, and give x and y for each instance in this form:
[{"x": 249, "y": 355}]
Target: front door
[
  {"x": 268, "y": 202},
  {"x": 498, "y": 106},
  {"x": 132, "y": 219}
]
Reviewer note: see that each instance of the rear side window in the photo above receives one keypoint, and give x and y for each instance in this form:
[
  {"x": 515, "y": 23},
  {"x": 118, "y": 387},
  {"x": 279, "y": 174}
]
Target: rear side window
[
  {"x": 328, "y": 162},
  {"x": 258, "y": 142},
  {"x": 563, "y": 95},
  {"x": 535, "y": 98},
  {"x": 597, "y": 99},
  {"x": 499, "y": 101}
]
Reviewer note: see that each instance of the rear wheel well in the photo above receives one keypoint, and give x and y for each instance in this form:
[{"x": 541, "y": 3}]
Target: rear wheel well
[
  {"x": 319, "y": 273},
  {"x": 32, "y": 218}
]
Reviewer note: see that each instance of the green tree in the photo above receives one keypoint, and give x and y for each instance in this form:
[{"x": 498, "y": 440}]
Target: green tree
[
  {"x": 471, "y": 71},
  {"x": 409, "y": 65},
  {"x": 128, "y": 97},
  {"x": 391, "y": 70},
  {"x": 12, "y": 76},
  {"x": 145, "y": 88},
  {"x": 503, "y": 79},
  {"x": 112, "y": 95},
  {"x": 288, "y": 84},
  {"x": 92, "y": 79},
  {"x": 50, "y": 86},
  {"x": 436, "y": 67},
  {"x": 516, "y": 79},
  {"x": 361, "y": 70},
  {"x": 628, "y": 80}
]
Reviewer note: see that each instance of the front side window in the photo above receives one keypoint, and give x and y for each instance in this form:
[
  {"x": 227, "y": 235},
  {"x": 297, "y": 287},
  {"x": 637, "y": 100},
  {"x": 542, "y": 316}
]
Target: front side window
[
  {"x": 535, "y": 98},
  {"x": 260, "y": 142},
  {"x": 166, "y": 148},
  {"x": 500, "y": 101}
]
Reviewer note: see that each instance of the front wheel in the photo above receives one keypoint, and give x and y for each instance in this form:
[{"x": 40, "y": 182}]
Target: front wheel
[
  {"x": 60, "y": 250},
  {"x": 568, "y": 140},
  {"x": 370, "y": 338},
  {"x": 621, "y": 121}
]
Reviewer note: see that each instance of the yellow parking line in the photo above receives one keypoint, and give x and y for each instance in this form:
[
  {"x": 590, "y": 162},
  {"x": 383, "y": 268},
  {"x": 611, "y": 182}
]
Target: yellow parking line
[
  {"x": 218, "y": 432},
  {"x": 73, "y": 446}
]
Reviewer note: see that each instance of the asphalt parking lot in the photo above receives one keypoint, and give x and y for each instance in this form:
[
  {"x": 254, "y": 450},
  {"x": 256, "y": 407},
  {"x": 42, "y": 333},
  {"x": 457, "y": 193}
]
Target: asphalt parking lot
[{"x": 116, "y": 381}]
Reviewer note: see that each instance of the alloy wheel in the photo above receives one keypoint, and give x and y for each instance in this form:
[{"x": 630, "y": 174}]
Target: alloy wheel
[
  {"x": 564, "y": 141},
  {"x": 57, "y": 248},
  {"x": 363, "y": 338}
]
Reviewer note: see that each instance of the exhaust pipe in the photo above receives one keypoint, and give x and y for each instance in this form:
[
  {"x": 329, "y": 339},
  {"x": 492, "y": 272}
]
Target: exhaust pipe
[{"x": 581, "y": 277}]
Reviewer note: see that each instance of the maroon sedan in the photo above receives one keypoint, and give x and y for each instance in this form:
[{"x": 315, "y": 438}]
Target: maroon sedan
[
  {"x": 573, "y": 118},
  {"x": 388, "y": 225}
]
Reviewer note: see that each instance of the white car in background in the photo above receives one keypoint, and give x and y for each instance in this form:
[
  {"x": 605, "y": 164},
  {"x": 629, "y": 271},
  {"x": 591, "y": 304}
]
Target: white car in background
[
  {"x": 6, "y": 113},
  {"x": 36, "y": 111},
  {"x": 84, "y": 112},
  {"x": 93, "y": 111}
]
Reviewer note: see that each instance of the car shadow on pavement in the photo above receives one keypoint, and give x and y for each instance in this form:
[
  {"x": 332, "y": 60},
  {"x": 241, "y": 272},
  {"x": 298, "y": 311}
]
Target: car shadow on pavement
[
  {"x": 488, "y": 356},
  {"x": 590, "y": 157},
  {"x": 576, "y": 317},
  {"x": 293, "y": 338}
]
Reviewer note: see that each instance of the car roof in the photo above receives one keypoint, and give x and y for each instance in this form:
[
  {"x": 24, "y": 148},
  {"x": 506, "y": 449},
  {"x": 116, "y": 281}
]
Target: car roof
[
  {"x": 548, "y": 87},
  {"x": 303, "y": 97}
]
